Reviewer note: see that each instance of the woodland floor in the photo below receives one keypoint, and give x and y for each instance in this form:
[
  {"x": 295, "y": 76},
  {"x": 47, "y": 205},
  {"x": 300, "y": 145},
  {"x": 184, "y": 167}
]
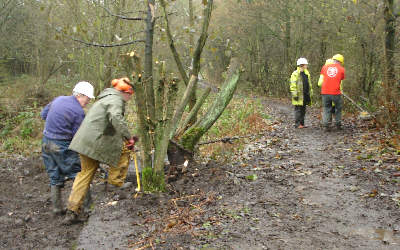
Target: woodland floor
[{"x": 288, "y": 189}]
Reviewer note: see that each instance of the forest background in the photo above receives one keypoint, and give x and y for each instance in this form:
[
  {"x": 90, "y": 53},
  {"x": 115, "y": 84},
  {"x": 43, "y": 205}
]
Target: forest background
[{"x": 47, "y": 46}]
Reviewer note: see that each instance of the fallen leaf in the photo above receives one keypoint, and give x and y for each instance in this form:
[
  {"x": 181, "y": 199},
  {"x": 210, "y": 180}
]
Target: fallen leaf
[
  {"x": 397, "y": 174},
  {"x": 373, "y": 193},
  {"x": 252, "y": 177},
  {"x": 112, "y": 203}
]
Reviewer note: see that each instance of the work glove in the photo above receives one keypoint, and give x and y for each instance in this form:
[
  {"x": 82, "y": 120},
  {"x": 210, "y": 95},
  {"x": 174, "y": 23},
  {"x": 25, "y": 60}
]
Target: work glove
[
  {"x": 296, "y": 98},
  {"x": 130, "y": 144}
]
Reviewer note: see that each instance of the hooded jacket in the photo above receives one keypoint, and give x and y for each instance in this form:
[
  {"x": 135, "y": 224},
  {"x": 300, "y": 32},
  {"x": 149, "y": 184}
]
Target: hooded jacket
[
  {"x": 104, "y": 130},
  {"x": 296, "y": 86}
]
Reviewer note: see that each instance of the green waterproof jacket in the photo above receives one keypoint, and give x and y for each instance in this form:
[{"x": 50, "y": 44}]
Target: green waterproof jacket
[
  {"x": 296, "y": 86},
  {"x": 103, "y": 131}
]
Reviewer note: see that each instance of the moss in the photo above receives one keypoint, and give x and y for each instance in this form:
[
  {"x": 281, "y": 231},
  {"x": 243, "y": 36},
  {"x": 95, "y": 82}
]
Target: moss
[
  {"x": 153, "y": 181},
  {"x": 191, "y": 138}
]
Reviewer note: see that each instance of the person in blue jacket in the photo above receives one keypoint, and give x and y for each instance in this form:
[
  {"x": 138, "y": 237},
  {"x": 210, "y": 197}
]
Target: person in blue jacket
[{"x": 63, "y": 116}]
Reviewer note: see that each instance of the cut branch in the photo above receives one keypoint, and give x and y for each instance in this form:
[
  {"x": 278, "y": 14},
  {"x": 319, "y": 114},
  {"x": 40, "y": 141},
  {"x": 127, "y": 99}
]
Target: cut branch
[
  {"x": 123, "y": 17},
  {"x": 107, "y": 45}
]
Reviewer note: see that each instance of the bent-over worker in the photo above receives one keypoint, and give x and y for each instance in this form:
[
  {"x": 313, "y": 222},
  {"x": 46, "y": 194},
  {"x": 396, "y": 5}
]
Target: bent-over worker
[
  {"x": 103, "y": 137},
  {"x": 63, "y": 117}
]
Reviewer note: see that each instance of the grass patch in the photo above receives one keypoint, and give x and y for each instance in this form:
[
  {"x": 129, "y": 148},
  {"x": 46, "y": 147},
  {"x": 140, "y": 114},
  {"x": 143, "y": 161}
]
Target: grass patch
[
  {"x": 152, "y": 181},
  {"x": 243, "y": 116},
  {"x": 20, "y": 105}
]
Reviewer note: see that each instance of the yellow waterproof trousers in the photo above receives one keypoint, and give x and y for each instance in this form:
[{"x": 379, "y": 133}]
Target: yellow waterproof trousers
[{"x": 116, "y": 176}]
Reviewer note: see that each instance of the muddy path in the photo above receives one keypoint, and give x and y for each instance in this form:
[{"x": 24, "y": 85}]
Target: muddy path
[
  {"x": 25, "y": 218},
  {"x": 287, "y": 189}
]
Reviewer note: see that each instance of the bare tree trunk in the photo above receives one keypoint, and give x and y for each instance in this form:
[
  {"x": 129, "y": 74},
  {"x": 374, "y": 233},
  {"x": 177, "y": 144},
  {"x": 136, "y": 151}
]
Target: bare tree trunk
[
  {"x": 287, "y": 38},
  {"x": 192, "y": 101},
  {"x": 152, "y": 177},
  {"x": 191, "y": 25},
  {"x": 148, "y": 61},
  {"x": 392, "y": 96},
  {"x": 147, "y": 110},
  {"x": 390, "y": 28}
]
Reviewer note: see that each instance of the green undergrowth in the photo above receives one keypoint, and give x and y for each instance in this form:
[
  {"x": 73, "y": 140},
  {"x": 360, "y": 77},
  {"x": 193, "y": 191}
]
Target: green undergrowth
[
  {"x": 20, "y": 131},
  {"x": 243, "y": 116},
  {"x": 21, "y": 102},
  {"x": 152, "y": 181}
]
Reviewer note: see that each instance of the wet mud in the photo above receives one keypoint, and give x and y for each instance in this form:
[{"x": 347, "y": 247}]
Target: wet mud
[{"x": 287, "y": 189}]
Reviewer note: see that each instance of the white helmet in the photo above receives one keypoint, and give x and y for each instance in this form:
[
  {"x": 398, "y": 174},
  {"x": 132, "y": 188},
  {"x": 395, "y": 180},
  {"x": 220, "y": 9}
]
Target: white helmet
[
  {"x": 301, "y": 61},
  {"x": 84, "y": 88}
]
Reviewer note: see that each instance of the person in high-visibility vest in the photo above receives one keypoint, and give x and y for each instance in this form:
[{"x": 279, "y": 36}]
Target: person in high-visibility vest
[
  {"x": 301, "y": 91},
  {"x": 330, "y": 81}
]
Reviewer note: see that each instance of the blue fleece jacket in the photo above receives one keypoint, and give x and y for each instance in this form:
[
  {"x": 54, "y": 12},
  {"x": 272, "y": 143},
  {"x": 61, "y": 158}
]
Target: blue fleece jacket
[{"x": 63, "y": 117}]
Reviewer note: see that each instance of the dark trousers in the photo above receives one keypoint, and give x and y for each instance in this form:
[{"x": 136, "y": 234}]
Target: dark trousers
[
  {"x": 327, "y": 101},
  {"x": 299, "y": 114},
  {"x": 60, "y": 162}
]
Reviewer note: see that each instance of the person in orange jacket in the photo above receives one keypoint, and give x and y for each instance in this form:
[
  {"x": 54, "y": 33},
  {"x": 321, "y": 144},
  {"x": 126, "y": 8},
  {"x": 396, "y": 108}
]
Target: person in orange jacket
[{"x": 331, "y": 78}]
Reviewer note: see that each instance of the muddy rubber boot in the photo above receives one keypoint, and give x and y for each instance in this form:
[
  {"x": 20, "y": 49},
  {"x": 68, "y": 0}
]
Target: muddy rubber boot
[
  {"x": 113, "y": 188},
  {"x": 327, "y": 129},
  {"x": 126, "y": 185},
  {"x": 70, "y": 218},
  {"x": 56, "y": 200}
]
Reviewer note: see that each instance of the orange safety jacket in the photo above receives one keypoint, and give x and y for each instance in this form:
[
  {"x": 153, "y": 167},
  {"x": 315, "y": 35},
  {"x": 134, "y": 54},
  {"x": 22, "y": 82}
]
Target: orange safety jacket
[{"x": 332, "y": 74}]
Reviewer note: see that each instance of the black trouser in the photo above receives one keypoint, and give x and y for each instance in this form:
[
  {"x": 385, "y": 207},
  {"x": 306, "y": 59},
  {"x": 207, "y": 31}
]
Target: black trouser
[{"x": 299, "y": 113}]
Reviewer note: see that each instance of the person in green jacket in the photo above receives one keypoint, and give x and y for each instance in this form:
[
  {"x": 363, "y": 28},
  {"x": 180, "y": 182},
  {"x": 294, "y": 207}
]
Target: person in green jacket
[
  {"x": 301, "y": 91},
  {"x": 102, "y": 137}
]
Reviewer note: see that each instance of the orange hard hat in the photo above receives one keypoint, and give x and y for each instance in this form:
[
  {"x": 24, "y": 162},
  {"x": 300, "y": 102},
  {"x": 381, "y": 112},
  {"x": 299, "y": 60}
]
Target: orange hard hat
[{"x": 123, "y": 85}]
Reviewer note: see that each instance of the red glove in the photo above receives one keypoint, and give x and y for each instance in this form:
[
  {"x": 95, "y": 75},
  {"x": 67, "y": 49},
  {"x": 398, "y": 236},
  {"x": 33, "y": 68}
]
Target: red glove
[{"x": 130, "y": 144}]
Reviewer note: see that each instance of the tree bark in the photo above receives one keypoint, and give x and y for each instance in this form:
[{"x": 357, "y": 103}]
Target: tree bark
[
  {"x": 160, "y": 92},
  {"x": 148, "y": 116},
  {"x": 191, "y": 25},
  {"x": 192, "y": 101}
]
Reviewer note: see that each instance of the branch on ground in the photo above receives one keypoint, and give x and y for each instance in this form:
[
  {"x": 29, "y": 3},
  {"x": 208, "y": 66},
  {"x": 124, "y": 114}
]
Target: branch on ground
[{"x": 108, "y": 45}]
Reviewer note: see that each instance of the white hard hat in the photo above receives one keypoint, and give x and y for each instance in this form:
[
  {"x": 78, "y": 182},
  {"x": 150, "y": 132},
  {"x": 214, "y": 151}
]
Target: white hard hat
[
  {"x": 84, "y": 88},
  {"x": 301, "y": 61}
]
